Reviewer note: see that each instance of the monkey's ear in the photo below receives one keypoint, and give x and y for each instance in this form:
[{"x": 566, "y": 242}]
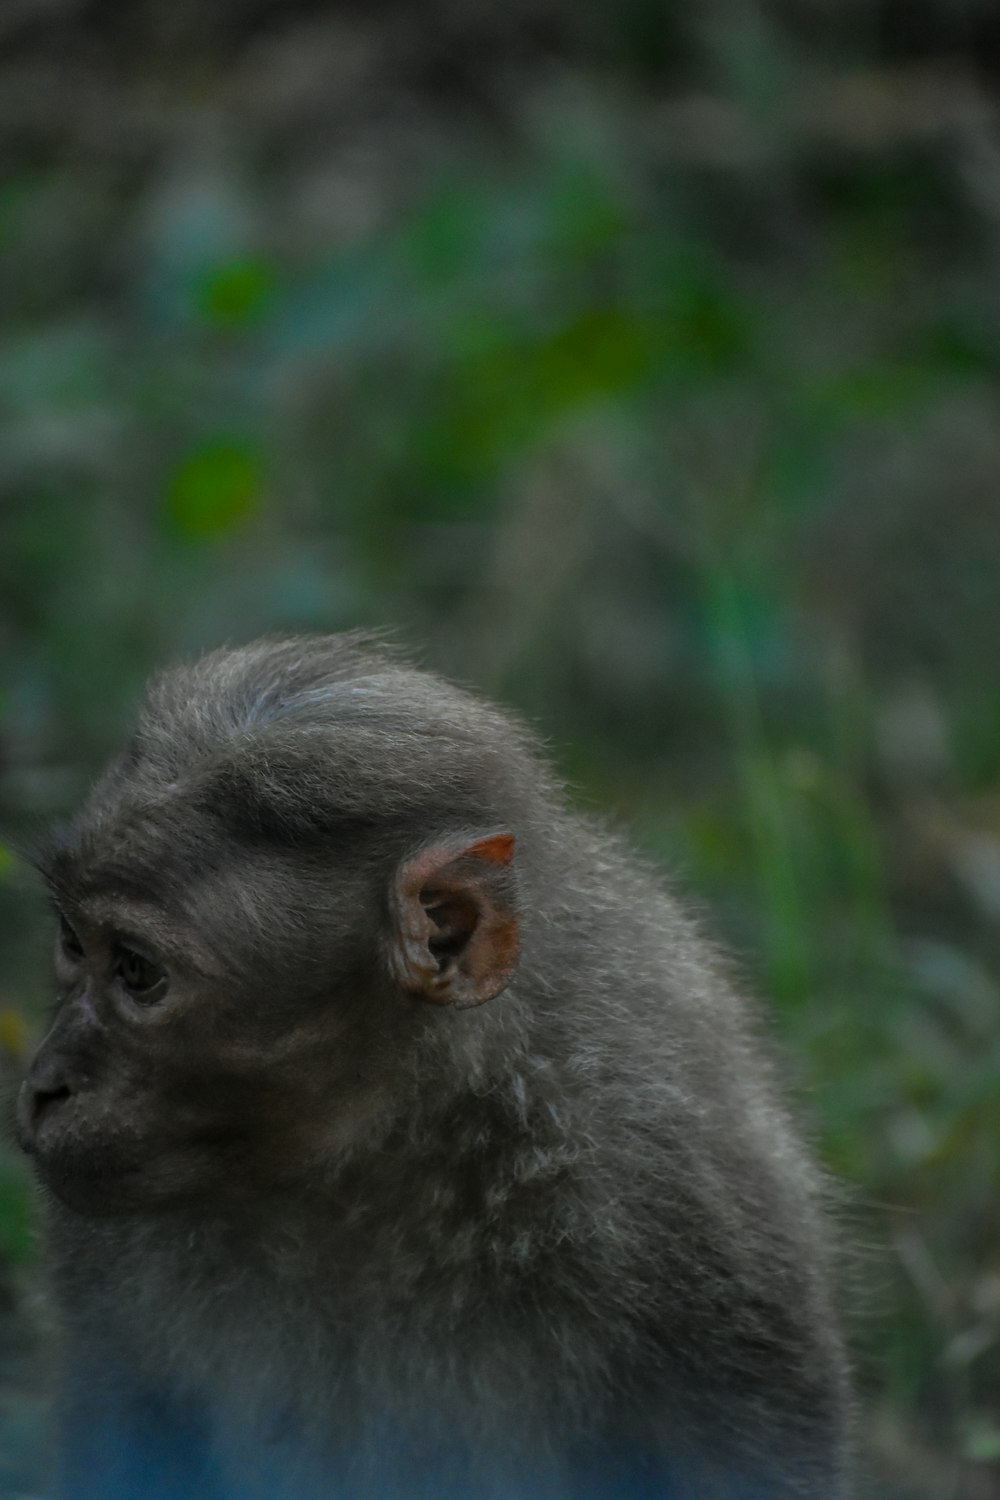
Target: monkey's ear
[{"x": 454, "y": 938}]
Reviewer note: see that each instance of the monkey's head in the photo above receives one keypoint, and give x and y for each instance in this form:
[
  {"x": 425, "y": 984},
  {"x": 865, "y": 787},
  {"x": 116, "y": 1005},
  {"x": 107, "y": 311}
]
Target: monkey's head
[{"x": 276, "y": 912}]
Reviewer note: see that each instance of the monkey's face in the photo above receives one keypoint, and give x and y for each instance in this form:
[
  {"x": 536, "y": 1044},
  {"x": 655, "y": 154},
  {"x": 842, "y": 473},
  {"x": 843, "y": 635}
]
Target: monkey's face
[
  {"x": 198, "y": 1056},
  {"x": 150, "y": 1087},
  {"x": 231, "y": 1019}
]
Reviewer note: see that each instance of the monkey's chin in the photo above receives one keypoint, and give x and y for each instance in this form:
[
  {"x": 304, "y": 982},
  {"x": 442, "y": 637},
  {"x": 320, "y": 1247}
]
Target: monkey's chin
[
  {"x": 95, "y": 1179},
  {"x": 91, "y": 1198},
  {"x": 95, "y": 1190},
  {"x": 109, "y": 1179}
]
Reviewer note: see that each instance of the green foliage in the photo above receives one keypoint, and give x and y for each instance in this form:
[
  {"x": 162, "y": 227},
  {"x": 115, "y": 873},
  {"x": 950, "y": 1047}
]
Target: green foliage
[
  {"x": 236, "y": 294},
  {"x": 214, "y": 491}
]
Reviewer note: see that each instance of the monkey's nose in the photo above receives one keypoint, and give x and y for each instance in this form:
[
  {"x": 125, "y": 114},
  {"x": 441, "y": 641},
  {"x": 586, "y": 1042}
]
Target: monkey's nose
[
  {"x": 45, "y": 1098},
  {"x": 42, "y": 1092}
]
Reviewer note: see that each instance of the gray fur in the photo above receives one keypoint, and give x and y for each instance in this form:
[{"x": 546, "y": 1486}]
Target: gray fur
[{"x": 513, "y": 1239}]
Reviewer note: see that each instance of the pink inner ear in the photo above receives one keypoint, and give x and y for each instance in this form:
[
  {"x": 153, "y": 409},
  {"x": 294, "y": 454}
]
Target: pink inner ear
[
  {"x": 456, "y": 929},
  {"x": 498, "y": 849}
]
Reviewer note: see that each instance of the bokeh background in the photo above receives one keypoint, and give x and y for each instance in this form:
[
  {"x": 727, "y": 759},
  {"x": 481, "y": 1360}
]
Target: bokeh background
[{"x": 637, "y": 362}]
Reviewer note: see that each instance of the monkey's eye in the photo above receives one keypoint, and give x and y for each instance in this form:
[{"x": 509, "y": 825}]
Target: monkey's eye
[
  {"x": 144, "y": 979},
  {"x": 70, "y": 947}
]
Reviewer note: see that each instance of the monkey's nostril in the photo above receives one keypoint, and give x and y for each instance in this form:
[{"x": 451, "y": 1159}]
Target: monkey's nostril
[
  {"x": 45, "y": 1099},
  {"x": 36, "y": 1103}
]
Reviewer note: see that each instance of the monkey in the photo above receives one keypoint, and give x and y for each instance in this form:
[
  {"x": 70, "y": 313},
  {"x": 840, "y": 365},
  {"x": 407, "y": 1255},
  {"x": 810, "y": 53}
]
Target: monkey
[{"x": 400, "y": 1134}]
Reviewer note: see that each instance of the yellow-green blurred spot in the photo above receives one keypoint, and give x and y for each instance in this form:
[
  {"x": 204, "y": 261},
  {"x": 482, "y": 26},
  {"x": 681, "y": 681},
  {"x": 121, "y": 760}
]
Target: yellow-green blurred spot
[
  {"x": 235, "y": 293},
  {"x": 6, "y": 861},
  {"x": 13, "y": 1032},
  {"x": 214, "y": 491}
]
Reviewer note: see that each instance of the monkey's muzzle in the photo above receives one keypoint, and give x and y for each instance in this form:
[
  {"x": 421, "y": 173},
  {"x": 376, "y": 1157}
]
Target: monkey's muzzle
[{"x": 42, "y": 1099}]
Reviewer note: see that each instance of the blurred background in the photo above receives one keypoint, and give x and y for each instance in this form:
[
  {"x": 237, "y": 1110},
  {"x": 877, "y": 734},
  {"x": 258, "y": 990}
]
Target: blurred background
[{"x": 636, "y": 362}]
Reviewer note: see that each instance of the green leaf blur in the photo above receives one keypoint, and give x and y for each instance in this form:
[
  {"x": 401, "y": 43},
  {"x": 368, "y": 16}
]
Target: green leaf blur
[{"x": 213, "y": 491}]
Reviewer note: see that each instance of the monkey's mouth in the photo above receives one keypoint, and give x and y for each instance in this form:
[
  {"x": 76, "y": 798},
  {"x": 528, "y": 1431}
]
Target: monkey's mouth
[
  {"x": 85, "y": 1180},
  {"x": 70, "y": 1160}
]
